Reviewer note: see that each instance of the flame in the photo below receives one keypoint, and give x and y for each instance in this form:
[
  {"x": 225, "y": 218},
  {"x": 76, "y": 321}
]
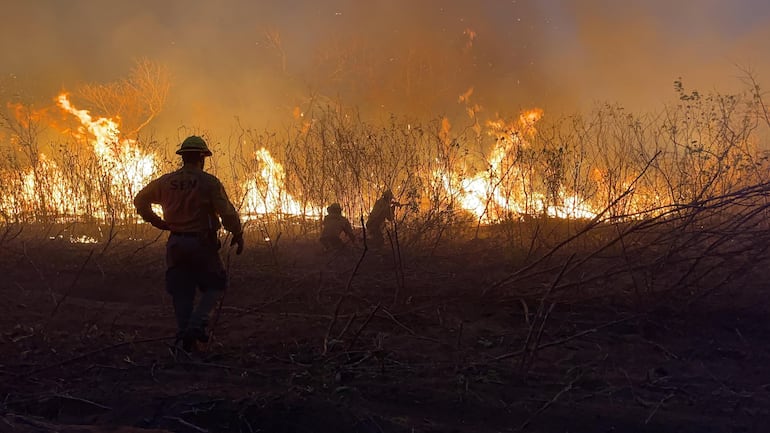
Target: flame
[
  {"x": 25, "y": 115},
  {"x": 488, "y": 198},
  {"x": 443, "y": 134},
  {"x": 466, "y": 96},
  {"x": 129, "y": 168},
  {"x": 499, "y": 191},
  {"x": 471, "y": 35},
  {"x": 47, "y": 189},
  {"x": 134, "y": 165},
  {"x": 43, "y": 184},
  {"x": 266, "y": 194}
]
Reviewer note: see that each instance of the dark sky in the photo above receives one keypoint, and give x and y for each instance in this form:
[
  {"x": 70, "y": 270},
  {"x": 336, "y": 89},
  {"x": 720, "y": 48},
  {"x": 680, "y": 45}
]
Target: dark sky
[{"x": 403, "y": 56}]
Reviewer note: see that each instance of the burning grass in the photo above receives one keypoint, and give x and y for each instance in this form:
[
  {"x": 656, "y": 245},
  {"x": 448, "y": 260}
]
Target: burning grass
[{"x": 610, "y": 163}]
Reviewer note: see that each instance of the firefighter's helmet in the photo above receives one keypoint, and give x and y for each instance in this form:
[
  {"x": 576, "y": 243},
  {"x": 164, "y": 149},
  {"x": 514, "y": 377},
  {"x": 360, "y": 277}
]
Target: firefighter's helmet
[
  {"x": 194, "y": 143},
  {"x": 334, "y": 208}
]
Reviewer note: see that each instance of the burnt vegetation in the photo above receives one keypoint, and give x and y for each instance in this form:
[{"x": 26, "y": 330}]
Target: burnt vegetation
[{"x": 646, "y": 312}]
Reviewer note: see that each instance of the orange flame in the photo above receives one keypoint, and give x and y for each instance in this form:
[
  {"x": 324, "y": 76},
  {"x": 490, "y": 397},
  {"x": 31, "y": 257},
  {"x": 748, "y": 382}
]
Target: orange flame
[
  {"x": 130, "y": 166},
  {"x": 266, "y": 194},
  {"x": 484, "y": 196}
]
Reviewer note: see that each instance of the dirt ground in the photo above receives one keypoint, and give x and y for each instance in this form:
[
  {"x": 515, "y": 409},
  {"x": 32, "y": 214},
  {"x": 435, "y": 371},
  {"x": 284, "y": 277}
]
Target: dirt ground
[{"x": 303, "y": 343}]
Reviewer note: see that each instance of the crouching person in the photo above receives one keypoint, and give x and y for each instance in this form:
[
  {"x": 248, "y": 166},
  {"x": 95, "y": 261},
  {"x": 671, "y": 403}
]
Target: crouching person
[{"x": 334, "y": 225}]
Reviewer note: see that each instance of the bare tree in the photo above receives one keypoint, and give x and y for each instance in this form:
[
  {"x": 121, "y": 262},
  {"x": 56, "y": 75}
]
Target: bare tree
[{"x": 136, "y": 100}]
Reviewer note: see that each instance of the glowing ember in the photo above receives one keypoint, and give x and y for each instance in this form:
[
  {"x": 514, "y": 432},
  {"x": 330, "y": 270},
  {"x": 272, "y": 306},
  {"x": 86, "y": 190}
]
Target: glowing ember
[{"x": 82, "y": 239}]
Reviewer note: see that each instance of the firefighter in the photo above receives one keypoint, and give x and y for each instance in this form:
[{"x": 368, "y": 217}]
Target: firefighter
[
  {"x": 383, "y": 210},
  {"x": 193, "y": 204},
  {"x": 334, "y": 225}
]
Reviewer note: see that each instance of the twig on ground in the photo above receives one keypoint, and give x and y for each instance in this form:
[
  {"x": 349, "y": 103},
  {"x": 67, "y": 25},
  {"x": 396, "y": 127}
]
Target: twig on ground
[
  {"x": 393, "y": 318},
  {"x": 530, "y": 358},
  {"x": 662, "y": 348},
  {"x": 223, "y": 367},
  {"x": 346, "y": 327},
  {"x": 363, "y": 325},
  {"x": 525, "y": 311},
  {"x": 331, "y": 325},
  {"x": 458, "y": 346},
  {"x": 38, "y": 271},
  {"x": 7, "y": 236},
  {"x": 82, "y": 400},
  {"x": 566, "y": 339},
  {"x": 94, "y": 352},
  {"x": 548, "y": 404},
  {"x": 538, "y": 322},
  {"x": 34, "y": 423},
  {"x": 396, "y": 250},
  {"x": 410, "y": 331},
  {"x": 657, "y": 406},
  {"x": 148, "y": 243},
  {"x": 72, "y": 285},
  {"x": 186, "y": 423}
]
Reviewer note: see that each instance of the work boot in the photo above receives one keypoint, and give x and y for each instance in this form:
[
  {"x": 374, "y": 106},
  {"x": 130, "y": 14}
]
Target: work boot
[
  {"x": 185, "y": 341},
  {"x": 192, "y": 337},
  {"x": 200, "y": 334},
  {"x": 189, "y": 344}
]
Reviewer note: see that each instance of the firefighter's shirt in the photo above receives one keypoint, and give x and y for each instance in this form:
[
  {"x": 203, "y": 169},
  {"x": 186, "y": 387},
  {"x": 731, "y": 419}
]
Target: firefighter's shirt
[{"x": 192, "y": 201}]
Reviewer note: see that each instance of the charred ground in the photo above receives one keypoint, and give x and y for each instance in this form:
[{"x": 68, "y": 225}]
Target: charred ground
[{"x": 666, "y": 335}]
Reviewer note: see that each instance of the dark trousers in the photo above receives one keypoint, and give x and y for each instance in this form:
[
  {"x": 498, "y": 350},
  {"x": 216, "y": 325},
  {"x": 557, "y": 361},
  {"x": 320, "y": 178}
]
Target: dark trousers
[
  {"x": 193, "y": 264},
  {"x": 332, "y": 243},
  {"x": 376, "y": 239}
]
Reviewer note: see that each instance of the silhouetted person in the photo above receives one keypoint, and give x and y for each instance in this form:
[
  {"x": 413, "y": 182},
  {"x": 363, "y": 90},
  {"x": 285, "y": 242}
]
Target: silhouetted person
[
  {"x": 383, "y": 210},
  {"x": 334, "y": 225},
  {"x": 193, "y": 203}
]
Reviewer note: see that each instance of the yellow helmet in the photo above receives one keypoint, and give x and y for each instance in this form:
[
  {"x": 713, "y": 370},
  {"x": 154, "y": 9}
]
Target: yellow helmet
[{"x": 194, "y": 143}]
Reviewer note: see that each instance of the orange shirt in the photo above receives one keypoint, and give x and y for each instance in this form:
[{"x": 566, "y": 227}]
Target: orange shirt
[{"x": 192, "y": 201}]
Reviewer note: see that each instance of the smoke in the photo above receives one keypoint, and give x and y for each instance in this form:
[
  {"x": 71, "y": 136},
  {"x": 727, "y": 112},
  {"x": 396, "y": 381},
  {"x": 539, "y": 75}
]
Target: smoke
[
  {"x": 632, "y": 52},
  {"x": 253, "y": 62}
]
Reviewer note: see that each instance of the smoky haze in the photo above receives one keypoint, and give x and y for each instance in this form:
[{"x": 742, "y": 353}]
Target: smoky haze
[{"x": 255, "y": 61}]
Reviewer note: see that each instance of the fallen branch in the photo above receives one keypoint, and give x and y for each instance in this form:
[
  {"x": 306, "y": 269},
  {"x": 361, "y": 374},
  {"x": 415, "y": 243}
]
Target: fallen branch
[
  {"x": 657, "y": 406},
  {"x": 331, "y": 325},
  {"x": 410, "y": 331},
  {"x": 94, "y": 352},
  {"x": 566, "y": 339},
  {"x": 538, "y": 322},
  {"x": 186, "y": 423},
  {"x": 82, "y": 400},
  {"x": 548, "y": 404},
  {"x": 361, "y": 328},
  {"x": 72, "y": 285}
]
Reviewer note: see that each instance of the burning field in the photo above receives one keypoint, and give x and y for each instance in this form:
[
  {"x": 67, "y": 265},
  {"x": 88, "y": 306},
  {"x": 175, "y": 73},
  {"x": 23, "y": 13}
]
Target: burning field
[
  {"x": 543, "y": 283},
  {"x": 596, "y": 270}
]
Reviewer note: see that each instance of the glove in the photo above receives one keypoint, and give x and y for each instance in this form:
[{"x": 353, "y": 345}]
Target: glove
[
  {"x": 161, "y": 224},
  {"x": 237, "y": 240}
]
